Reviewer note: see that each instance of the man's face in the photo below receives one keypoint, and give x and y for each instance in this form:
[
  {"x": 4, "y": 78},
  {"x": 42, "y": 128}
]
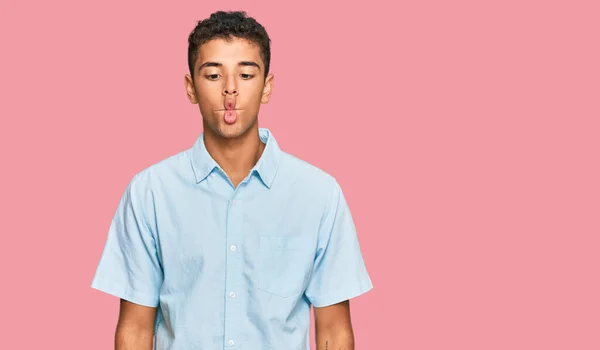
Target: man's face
[{"x": 229, "y": 86}]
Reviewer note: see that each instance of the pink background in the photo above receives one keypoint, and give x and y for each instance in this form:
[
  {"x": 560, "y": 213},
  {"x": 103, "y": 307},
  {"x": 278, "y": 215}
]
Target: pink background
[{"x": 465, "y": 135}]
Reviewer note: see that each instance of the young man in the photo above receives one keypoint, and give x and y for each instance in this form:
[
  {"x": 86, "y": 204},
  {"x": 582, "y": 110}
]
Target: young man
[{"x": 229, "y": 243}]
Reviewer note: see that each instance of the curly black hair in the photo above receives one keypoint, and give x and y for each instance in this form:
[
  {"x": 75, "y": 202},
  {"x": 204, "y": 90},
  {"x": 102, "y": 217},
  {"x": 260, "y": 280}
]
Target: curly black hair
[{"x": 225, "y": 25}]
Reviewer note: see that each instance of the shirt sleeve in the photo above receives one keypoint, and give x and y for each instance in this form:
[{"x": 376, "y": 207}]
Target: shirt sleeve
[
  {"x": 340, "y": 272},
  {"x": 129, "y": 267}
]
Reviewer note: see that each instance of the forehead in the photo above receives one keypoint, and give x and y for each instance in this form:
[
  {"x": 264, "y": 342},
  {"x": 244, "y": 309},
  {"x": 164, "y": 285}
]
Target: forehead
[{"x": 229, "y": 52}]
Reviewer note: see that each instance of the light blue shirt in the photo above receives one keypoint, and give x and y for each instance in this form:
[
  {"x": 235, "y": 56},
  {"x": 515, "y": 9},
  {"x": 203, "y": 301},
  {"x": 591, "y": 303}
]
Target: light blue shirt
[{"x": 232, "y": 268}]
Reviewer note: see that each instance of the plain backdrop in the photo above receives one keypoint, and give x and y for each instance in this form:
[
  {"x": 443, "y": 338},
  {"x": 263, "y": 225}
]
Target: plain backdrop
[{"x": 465, "y": 135}]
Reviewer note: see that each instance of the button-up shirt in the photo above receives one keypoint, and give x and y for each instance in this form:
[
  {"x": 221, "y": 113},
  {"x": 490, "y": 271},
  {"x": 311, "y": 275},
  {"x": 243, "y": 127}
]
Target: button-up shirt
[{"x": 232, "y": 267}]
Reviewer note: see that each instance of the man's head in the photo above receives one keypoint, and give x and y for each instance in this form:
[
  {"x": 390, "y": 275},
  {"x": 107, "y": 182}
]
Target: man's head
[{"x": 229, "y": 58}]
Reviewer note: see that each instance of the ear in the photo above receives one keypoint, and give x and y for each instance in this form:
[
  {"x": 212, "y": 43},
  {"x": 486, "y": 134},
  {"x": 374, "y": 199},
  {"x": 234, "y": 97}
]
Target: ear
[
  {"x": 190, "y": 89},
  {"x": 266, "y": 95}
]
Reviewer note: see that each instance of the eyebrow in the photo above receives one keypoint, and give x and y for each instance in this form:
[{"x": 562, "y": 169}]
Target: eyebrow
[{"x": 218, "y": 64}]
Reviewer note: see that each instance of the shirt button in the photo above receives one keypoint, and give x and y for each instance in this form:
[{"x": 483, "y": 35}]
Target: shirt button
[
  {"x": 212, "y": 175},
  {"x": 232, "y": 295},
  {"x": 233, "y": 248},
  {"x": 230, "y": 343}
]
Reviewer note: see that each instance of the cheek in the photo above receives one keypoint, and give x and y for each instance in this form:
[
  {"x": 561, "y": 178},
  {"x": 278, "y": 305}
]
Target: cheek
[
  {"x": 254, "y": 93},
  {"x": 208, "y": 97}
]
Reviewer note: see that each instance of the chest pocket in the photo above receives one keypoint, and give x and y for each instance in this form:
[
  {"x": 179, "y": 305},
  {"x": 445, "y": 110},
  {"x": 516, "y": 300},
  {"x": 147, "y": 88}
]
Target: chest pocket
[{"x": 285, "y": 264}]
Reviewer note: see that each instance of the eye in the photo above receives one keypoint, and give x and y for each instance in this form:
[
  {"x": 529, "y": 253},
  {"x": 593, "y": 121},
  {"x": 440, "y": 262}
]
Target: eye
[
  {"x": 247, "y": 76},
  {"x": 212, "y": 76}
]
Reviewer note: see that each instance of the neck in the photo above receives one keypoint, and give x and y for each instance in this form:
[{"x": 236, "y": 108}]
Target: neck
[{"x": 235, "y": 156}]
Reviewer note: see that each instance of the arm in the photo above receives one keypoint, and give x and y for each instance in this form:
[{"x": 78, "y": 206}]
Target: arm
[
  {"x": 135, "y": 328},
  {"x": 333, "y": 327}
]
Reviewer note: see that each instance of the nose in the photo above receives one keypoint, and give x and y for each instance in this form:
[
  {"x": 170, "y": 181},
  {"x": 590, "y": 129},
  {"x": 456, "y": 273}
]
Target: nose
[{"x": 230, "y": 88}]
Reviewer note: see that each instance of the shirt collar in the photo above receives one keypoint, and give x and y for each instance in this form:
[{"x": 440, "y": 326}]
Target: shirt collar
[{"x": 266, "y": 167}]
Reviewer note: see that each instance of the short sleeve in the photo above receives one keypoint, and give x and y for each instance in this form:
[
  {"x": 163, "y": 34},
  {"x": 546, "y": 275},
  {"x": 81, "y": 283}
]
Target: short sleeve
[
  {"x": 339, "y": 273},
  {"x": 129, "y": 267}
]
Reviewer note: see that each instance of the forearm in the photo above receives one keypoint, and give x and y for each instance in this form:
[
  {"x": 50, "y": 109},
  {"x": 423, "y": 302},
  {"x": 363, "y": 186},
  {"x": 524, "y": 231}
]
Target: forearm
[
  {"x": 128, "y": 337},
  {"x": 334, "y": 338}
]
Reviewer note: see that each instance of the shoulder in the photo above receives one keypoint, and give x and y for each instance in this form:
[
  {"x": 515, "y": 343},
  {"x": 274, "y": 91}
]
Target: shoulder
[
  {"x": 172, "y": 168},
  {"x": 309, "y": 180},
  {"x": 306, "y": 171}
]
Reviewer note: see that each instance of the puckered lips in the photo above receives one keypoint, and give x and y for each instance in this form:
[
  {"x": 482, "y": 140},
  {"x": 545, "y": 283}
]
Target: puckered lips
[{"x": 230, "y": 112}]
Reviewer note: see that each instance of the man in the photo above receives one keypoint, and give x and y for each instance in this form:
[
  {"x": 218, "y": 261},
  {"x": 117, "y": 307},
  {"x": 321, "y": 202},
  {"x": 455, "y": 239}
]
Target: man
[{"x": 229, "y": 243}]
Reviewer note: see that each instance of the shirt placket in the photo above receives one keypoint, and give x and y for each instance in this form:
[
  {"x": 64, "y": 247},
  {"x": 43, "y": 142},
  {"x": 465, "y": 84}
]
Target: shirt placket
[{"x": 234, "y": 268}]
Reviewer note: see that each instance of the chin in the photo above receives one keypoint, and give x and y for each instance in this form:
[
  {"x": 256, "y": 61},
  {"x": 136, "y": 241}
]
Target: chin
[
  {"x": 230, "y": 131},
  {"x": 220, "y": 128}
]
